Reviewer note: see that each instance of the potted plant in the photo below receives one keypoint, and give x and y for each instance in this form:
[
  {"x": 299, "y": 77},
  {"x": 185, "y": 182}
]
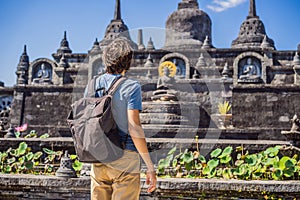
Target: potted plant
[{"x": 223, "y": 118}]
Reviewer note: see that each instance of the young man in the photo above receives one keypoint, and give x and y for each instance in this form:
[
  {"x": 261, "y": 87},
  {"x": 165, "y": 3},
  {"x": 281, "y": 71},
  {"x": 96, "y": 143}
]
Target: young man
[{"x": 120, "y": 179}]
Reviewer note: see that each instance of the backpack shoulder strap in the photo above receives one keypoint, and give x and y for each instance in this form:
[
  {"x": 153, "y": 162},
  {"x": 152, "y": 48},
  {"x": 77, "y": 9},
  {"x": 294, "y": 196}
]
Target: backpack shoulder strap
[{"x": 114, "y": 86}]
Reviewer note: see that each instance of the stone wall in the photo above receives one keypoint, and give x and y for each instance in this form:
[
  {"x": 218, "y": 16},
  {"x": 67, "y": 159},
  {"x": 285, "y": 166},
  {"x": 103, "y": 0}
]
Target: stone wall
[
  {"x": 23, "y": 187},
  {"x": 265, "y": 106},
  {"x": 44, "y": 109}
]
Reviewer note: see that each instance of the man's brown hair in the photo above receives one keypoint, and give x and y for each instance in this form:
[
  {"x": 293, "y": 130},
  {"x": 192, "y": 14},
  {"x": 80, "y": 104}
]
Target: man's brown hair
[{"x": 117, "y": 56}]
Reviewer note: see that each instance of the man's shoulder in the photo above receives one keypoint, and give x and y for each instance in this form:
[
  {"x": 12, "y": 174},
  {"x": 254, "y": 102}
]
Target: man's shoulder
[{"x": 131, "y": 81}]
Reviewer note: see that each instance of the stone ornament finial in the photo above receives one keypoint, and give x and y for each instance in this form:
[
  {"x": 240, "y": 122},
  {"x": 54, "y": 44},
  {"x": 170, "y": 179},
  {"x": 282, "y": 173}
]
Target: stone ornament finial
[
  {"x": 265, "y": 43},
  {"x": 22, "y": 69},
  {"x": 150, "y": 45},
  {"x": 65, "y": 169},
  {"x": 252, "y": 9},
  {"x": 149, "y": 62},
  {"x": 117, "y": 15},
  {"x": 226, "y": 71},
  {"x": 96, "y": 48},
  {"x": 206, "y": 43},
  {"x": 64, "y": 45},
  {"x": 296, "y": 60},
  {"x": 201, "y": 62}
]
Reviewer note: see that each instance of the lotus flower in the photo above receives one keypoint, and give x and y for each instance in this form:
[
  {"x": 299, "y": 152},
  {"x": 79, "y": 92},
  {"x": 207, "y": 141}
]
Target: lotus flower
[{"x": 21, "y": 128}]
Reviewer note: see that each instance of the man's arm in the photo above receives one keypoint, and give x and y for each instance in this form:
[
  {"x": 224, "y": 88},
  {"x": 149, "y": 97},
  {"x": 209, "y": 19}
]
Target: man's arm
[{"x": 138, "y": 137}]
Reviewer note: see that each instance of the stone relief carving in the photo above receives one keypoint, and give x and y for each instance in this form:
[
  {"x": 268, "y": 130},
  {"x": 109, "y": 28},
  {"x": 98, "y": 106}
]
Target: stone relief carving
[
  {"x": 42, "y": 74},
  {"x": 249, "y": 70}
]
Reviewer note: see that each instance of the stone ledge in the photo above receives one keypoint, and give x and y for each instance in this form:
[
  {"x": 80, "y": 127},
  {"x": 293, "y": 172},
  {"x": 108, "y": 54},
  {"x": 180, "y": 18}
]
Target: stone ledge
[{"x": 51, "y": 187}]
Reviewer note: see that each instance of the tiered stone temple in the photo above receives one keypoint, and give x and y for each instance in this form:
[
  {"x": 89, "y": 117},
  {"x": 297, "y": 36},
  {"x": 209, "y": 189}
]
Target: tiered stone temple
[{"x": 260, "y": 82}]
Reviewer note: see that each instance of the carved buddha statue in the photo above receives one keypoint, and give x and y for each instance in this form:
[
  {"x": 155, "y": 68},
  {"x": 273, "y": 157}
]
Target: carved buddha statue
[
  {"x": 250, "y": 72},
  {"x": 165, "y": 84},
  {"x": 43, "y": 75}
]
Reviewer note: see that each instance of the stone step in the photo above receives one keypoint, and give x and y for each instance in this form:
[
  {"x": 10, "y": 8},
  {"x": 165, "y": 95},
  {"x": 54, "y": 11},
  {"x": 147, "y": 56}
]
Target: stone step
[
  {"x": 190, "y": 131},
  {"x": 163, "y": 118}
]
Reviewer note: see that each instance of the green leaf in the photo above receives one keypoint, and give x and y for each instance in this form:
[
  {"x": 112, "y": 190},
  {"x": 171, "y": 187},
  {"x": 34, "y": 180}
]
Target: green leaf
[
  {"x": 29, "y": 156},
  {"x": 277, "y": 174},
  {"x": 50, "y": 158},
  {"x": 164, "y": 163},
  {"x": 77, "y": 165},
  {"x": 13, "y": 152},
  {"x": 198, "y": 166},
  {"x": 188, "y": 166},
  {"x": 17, "y": 134},
  {"x": 215, "y": 153},
  {"x": 45, "y": 135},
  {"x": 29, "y": 165},
  {"x": 226, "y": 151},
  {"x": 282, "y": 162},
  {"x": 272, "y": 151},
  {"x": 238, "y": 162},
  {"x": 202, "y": 159},
  {"x": 7, "y": 169},
  {"x": 37, "y": 155},
  {"x": 206, "y": 170},
  {"x": 188, "y": 157},
  {"x": 212, "y": 173},
  {"x": 290, "y": 163},
  {"x": 213, "y": 163},
  {"x": 225, "y": 159},
  {"x": 219, "y": 172},
  {"x": 251, "y": 159},
  {"x": 32, "y": 134},
  {"x": 239, "y": 148},
  {"x": 172, "y": 151},
  {"x": 22, "y": 148},
  {"x": 22, "y": 159},
  {"x": 73, "y": 156},
  {"x": 174, "y": 163},
  {"x": 289, "y": 172},
  {"x": 227, "y": 174},
  {"x": 48, "y": 151},
  {"x": 11, "y": 160}
]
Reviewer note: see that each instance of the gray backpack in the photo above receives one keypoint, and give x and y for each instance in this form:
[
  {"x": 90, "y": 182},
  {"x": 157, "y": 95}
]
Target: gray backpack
[{"x": 95, "y": 134}]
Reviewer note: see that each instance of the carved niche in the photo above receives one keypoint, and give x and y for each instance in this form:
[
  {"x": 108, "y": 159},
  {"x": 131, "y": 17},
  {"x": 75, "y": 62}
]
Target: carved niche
[
  {"x": 181, "y": 63},
  {"x": 249, "y": 68}
]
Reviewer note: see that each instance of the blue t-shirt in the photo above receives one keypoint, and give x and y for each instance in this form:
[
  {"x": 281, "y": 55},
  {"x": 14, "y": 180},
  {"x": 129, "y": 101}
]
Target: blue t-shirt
[{"x": 128, "y": 96}]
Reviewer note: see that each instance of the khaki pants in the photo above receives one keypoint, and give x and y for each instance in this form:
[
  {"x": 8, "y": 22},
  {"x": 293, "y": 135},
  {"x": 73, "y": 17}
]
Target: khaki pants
[{"x": 118, "y": 180}]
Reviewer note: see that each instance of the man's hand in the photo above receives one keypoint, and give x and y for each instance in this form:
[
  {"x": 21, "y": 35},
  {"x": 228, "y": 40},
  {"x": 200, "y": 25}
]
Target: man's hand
[{"x": 151, "y": 181}]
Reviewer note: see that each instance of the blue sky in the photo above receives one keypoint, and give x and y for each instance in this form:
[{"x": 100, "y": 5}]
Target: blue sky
[{"x": 40, "y": 24}]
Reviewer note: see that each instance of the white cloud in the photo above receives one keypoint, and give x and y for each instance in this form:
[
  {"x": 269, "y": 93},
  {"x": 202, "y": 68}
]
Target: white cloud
[{"x": 221, "y": 5}]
